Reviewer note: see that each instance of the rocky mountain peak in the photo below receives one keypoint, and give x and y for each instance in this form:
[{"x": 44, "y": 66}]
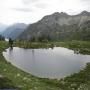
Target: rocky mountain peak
[
  {"x": 60, "y": 14},
  {"x": 62, "y": 23},
  {"x": 85, "y": 13}
]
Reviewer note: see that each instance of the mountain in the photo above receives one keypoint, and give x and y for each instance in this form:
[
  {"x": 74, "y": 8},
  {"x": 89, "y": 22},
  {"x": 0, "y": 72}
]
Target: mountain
[
  {"x": 14, "y": 30},
  {"x": 2, "y": 28},
  {"x": 83, "y": 32},
  {"x": 59, "y": 26},
  {"x": 1, "y": 38}
]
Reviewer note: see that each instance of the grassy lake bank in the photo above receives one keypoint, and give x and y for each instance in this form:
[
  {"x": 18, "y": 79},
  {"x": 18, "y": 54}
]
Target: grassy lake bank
[
  {"x": 12, "y": 77},
  {"x": 82, "y": 47}
]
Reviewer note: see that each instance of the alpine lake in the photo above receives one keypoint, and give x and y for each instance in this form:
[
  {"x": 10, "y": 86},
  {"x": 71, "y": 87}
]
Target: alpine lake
[{"x": 54, "y": 63}]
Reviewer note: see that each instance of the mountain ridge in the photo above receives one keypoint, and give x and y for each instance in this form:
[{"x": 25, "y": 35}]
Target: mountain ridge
[
  {"x": 55, "y": 24},
  {"x": 14, "y": 30}
]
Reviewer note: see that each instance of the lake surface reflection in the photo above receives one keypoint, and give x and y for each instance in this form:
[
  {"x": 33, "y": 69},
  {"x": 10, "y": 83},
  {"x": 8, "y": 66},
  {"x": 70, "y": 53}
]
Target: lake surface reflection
[{"x": 47, "y": 63}]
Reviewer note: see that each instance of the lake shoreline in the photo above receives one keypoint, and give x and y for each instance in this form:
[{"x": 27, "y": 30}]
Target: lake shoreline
[
  {"x": 26, "y": 81},
  {"x": 82, "y": 47},
  {"x": 39, "y": 62}
]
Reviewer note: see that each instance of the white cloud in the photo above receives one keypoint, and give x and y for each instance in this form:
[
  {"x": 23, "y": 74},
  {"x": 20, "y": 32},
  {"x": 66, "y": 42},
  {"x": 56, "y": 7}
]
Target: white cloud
[{"x": 30, "y": 11}]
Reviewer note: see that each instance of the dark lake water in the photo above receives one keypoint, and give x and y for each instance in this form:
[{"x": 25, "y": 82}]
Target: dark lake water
[{"x": 47, "y": 63}]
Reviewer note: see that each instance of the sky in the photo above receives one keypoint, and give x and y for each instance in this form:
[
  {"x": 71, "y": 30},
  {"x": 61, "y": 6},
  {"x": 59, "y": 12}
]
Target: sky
[{"x": 30, "y": 11}]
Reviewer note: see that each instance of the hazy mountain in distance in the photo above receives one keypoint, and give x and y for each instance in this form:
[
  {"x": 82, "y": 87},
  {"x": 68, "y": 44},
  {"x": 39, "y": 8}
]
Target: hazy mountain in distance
[
  {"x": 14, "y": 30},
  {"x": 58, "y": 26},
  {"x": 2, "y": 28}
]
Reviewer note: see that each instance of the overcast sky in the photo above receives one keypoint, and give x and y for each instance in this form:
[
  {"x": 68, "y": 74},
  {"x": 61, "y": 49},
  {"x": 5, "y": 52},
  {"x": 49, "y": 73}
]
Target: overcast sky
[{"x": 30, "y": 11}]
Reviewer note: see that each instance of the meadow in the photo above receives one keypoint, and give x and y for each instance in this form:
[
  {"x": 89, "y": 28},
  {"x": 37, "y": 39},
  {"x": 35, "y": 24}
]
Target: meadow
[{"x": 12, "y": 77}]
